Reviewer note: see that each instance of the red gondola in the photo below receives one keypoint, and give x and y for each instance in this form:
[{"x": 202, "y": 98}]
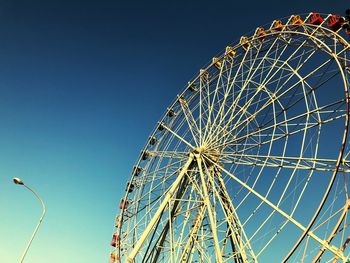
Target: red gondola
[
  {"x": 335, "y": 22},
  {"x": 115, "y": 238},
  {"x": 316, "y": 19},
  {"x": 124, "y": 204}
]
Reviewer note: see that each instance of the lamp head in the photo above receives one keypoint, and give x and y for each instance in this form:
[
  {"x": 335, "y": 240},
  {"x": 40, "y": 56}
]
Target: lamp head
[{"x": 17, "y": 181}]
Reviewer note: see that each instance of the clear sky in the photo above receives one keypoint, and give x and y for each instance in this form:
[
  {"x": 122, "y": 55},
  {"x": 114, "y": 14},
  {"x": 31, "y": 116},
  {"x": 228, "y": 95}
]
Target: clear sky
[{"x": 82, "y": 84}]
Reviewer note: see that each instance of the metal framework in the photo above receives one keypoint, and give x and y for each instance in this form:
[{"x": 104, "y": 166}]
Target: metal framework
[{"x": 249, "y": 163}]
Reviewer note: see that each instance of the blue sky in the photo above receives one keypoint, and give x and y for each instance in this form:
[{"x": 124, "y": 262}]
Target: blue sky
[{"x": 82, "y": 84}]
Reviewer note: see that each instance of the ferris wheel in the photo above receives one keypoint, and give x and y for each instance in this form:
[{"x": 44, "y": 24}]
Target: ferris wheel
[{"x": 249, "y": 163}]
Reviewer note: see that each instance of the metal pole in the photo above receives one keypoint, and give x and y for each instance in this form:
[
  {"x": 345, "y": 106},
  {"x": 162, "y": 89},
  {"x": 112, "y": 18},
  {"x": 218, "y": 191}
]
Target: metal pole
[
  {"x": 210, "y": 212},
  {"x": 40, "y": 220}
]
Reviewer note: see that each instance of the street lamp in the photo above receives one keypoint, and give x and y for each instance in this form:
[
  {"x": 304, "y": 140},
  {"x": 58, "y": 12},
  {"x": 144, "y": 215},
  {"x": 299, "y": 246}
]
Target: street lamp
[{"x": 20, "y": 182}]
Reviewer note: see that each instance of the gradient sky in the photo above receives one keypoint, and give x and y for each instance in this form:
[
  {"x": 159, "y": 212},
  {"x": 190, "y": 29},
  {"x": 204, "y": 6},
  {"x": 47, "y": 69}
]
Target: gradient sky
[{"x": 82, "y": 84}]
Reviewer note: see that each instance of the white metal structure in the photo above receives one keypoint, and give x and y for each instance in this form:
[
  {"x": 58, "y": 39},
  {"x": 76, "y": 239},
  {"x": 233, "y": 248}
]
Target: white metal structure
[
  {"x": 20, "y": 182},
  {"x": 249, "y": 162}
]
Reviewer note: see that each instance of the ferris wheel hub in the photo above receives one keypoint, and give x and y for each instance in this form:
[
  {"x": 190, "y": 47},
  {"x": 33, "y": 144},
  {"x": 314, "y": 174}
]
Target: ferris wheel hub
[
  {"x": 209, "y": 156},
  {"x": 200, "y": 150}
]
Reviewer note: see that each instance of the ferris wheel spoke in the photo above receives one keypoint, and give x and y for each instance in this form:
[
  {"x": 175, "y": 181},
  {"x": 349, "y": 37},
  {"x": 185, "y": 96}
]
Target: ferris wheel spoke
[
  {"x": 228, "y": 88},
  {"x": 220, "y": 138},
  {"x": 254, "y": 70},
  {"x": 257, "y": 177},
  {"x": 204, "y": 89},
  {"x": 168, "y": 154},
  {"x": 342, "y": 212},
  {"x": 239, "y": 95},
  {"x": 307, "y": 112},
  {"x": 280, "y": 211},
  {"x": 301, "y": 80},
  {"x": 190, "y": 120},
  {"x": 222, "y": 91},
  {"x": 153, "y": 182},
  {"x": 248, "y": 80},
  {"x": 292, "y": 121},
  {"x": 251, "y": 71},
  {"x": 269, "y": 102},
  {"x": 303, "y": 163},
  {"x": 178, "y": 136},
  {"x": 273, "y": 236},
  {"x": 290, "y": 133},
  {"x": 226, "y": 91},
  {"x": 237, "y": 122},
  {"x": 169, "y": 168},
  {"x": 221, "y": 130},
  {"x": 269, "y": 217},
  {"x": 212, "y": 99},
  {"x": 225, "y": 130}
]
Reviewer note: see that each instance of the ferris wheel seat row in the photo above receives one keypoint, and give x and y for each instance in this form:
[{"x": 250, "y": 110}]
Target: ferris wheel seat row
[{"x": 334, "y": 22}]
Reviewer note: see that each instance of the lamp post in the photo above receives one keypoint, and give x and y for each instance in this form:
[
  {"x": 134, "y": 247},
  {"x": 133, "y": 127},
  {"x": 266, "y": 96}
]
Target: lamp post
[{"x": 20, "y": 182}]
